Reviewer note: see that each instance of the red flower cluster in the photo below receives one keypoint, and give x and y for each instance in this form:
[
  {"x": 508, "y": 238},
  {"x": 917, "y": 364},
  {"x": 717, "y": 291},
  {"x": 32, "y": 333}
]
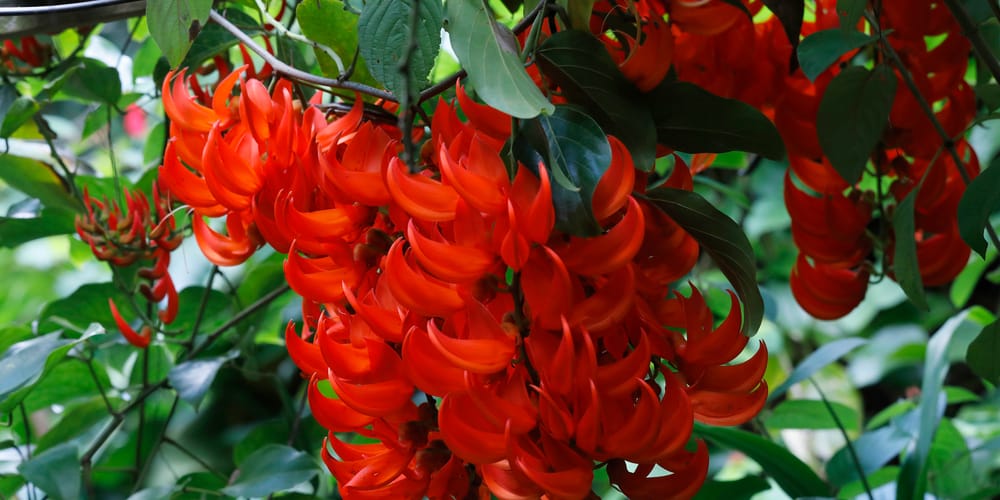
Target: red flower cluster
[
  {"x": 481, "y": 350},
  {"x": 837, "y": 227},
  {"x": 129, "y": 235},
  {"x": 31, "y": 52}
]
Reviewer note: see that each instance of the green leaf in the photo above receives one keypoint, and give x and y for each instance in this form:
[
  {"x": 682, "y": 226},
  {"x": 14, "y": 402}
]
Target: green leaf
[
  {"x": 263, "y": 434},
  {"x": 10, "y": 335},
  {"x": 905, "y": 266},
  {"x": 174, "y": 24},
  {"x": 981, "y": 199},
  {"x": 581, "y": 66},
  {"x": 821, "y": 357},
  {"x": 384, "y": 40},
  {"x": 955, "y": 335},
  {"x": 874, "y": 449},
  {"x": 989, "y": 93},
  {"x": 723, "y": 239},
  {"x": 192, "y": 379},
  {"x": 75, "y": 421},
  {"x": 15, "y": 231},
  {"x": 87, "y": 304},
  {"x": 693, "y": 120},
  {"x": 791, "y": 474},
  {"x": 155, "y": 493},
  {"x": 579, "y": 13},
  {"x": 56, "y": 472},
  {"x": 23, "y": 362},
  {"x": 951, "y": 472},
  {"x": 94, "y": 81},
  {"x": 66, "y": 383},
  {"x": 315, "y": 18},
  {"x": 852, "y": 114},
  {"x": 214, "y": 39},
  {"x": 741, "y": 489},
  {"x": 577, "y": 153},
  {"x": 850, "y": 12},
  {"x": 272, "y": 469},
  {"x": 38, "y": 180},
  {"x": 790, "y": 13},
  {"x": 19, "y": 112},
  {"x": 488, "y": 52},
  {"x": 983, "y": 353},
  {"x": 821, "y": 49},
  {"x": 8, "y": 94},
  {"x": 811, "y": 414}
]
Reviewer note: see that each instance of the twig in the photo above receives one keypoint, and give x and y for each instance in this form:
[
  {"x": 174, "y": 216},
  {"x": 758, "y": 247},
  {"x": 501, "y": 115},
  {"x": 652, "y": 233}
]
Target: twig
[
  {"x": 297, "y": 74},
  {"x": 97, "y": 382},
  {"x": 406, "y": 100},
  {"x": 181, "y": 448},
  {"x": 970, "y": 31},
  {"x": 252, "y": 308},
  {"x": 843, "y": 432},
  {"x": 156, "y": 445},
  {"x": 281, "y": 29}
]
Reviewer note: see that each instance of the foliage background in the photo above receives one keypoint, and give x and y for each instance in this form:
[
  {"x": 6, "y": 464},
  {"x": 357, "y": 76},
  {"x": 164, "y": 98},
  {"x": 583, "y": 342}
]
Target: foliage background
[{"x": 235, "y": 422}]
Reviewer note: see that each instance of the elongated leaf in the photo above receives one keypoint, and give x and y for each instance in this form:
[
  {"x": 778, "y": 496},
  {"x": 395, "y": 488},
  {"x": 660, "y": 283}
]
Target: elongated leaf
[
  {"x": 38, "y": 180},
  {"x": 488, "y": 52},
  {"x": 874, "y": 449},
  {"x": 94, "y": 81},
  {"x": 174, "y": 24},
  {"x": 821, "y": 357},
  {"x": 852, "y": 114},
  {"x": 693, "y": 120},
  {"x": 87, "y": 304},
  {"x": 980, "y": 200},
  {"x": 791, "y": 474},
  {"x": 272, "y": 469},
  {"x": 577, "y": 154},
  {"x": 904, "y": 262},
  {"x": 214, "y": 39},
  {"x": 315, "y": 17},
  {"x": 821, "y": 49},
  {"x": 192, "y": 379},
  {"x": 741, "y": 489},
  {"x": 18, "y": 113},
  {"x": 723, "y": 239},
  {"x": 587, "y": 75},
  {"x": 51, "y": 222},
  {"x": 811, "y": 414},
  {"x": 983, "y": 353},
  {"x": 23, "y": 362},
  {"x": 76, "y": 420},
  {"x": 850, "y": 12},
  {"x": 790, "y": 13},
  {"x": 384, "y": 38},
  {"x": 56, "y": 472}
]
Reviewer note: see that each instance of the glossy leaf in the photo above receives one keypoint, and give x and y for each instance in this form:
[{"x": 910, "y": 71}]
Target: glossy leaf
[
  {"x": 488, "y": 52},
  {"x": 811, "y": 414},
  {"x": 852, "y": 115},
  {"x": 577, "y": 153},
  {"x": 38, "y": 180},
  {"x": 980, "y": 200},
  {"x": 723, "y": 239},
  {"x": 791, "y": 474},
  {"x": 587, "y": 76},
  {"x": 790, "y": 13},
  {"x": 693, "y": 120},
  {"x": 272, "y": 469},
  {"x": 51, "y": 222},
  {"x": 214, "y": 39},
  {"x": 384, "y": 39},
  {"x": 94, "y": 81},
  {"x": 18, "y": 113},
  {"x": 192, "y": 379},
  {"x": 56, "y": 472},
  {"x": 874, "y": 449},
  {"x": 87, "y": 304},
  {"x": 75, "y": 421},
  {"x": 850, "y": 12},
  {"x": 315, "y": 17},
  {"x": 905, "y": 266},
  {"x": 821, "y": 357},
  {"x": 983, "y": 353},
  {"x": 24, "y": 365},
  {"x": 174, "y": 24},
  {"x": 823, "y": 48}
]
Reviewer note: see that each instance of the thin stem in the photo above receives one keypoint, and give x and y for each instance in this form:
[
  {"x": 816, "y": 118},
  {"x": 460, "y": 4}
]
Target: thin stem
[
  {"x": 925, "y": 106},
  {"x": 282, "y": 30},
  {"x": 252, "y": 308},
  {"x": 200, "y": 315},
  {"x": 843, "y": 432},
  {"x": 142, "y": 417},
  {"x": 116, "y": 177},
  {"x": 49, "y": 135},
  {"x": 193, "y": 456},
  {"x": 296, "y": 74},
  {"x": 405, "y": 103},
  {"x": 27, "y": 429},
  {"x": 97, "y": 382},
  {"x": 970, "y": 31},
  {"x": 156, "y": 445},
  {"x": 297, "y": 421}
]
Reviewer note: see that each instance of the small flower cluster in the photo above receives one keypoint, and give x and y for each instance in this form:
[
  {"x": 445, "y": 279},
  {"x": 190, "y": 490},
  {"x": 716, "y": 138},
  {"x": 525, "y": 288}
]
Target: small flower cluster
[
  {"x": 32, "y": 53},
  {"x": 123, "y": 236},
  {"x": 479, "y": 349}
]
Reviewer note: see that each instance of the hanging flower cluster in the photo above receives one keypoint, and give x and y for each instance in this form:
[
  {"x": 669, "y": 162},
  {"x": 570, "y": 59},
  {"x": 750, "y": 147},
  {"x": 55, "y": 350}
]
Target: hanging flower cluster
[
  {"x": 140, "y": 232},
  {"x": 481, "y": 350},
  {"x": 838, "y": 227}
]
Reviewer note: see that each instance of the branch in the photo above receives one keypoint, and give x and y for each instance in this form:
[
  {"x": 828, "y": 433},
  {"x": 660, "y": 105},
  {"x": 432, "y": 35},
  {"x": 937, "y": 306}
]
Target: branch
[
  {"x": 296, "y": 74},
  {"x": 970, "y": 31}
]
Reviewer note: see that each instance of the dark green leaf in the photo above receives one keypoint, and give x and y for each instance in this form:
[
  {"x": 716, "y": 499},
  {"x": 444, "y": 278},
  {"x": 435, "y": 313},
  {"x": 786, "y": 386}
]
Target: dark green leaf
[
  {"x": 67, "y": 383},
  {"x": 741, "y": 489},
  {"x": 23, "y": 362},
  {"x": 174, "y": 24},
  {"x": 980, "y": 200},
  {"x": 144, "y": 61},
  {"x": 984, "y": 352},
  {"x": 989, "y": 93},
  {"x": 821, "y": 357},
  {"x": 155, "y": 493},
  {"x": 56, "y": 472},
  {"x": 790, "y": 13},
  {"x": 791, "y": 474},
  {"x": 87, "y": 304},
  {"x": 192, "y": 379},
  {"x": 811, "y": 414},
  {"x": 488, "y": 52},
  {"x": 94, "y": 81},
  {"x": 19, "y": 112},
  {"x": 579, "y": 13},
  {"x": 821, "y": 49},
  {"x": 10, "y": 335},
  {"x": 8, "y": 94},
  {"x": 852, "y": 115},
  {"x": 693, "y": 120},
  {"x": 384, "y": 40},
  {"x": 75, "y": 421},
  {"x": 581, "y": 66},
  {"x": 214, "y": 39},
  {"x": 272, "y": 469},
  {"x": 94, "y": 121},
  {"x": 723, "y": 239},
  {"x": 577, "y": 153},
  {"x": 315, "y": 17},
  {"x": 263, "y": 434},
  {"x": 905, "y": 266},
  {"x": 51, "y": 222},
  {"x": 951, "y": 473},
  {"x": 850, "y": 12},
  {"x": 38, "y": 180}
]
